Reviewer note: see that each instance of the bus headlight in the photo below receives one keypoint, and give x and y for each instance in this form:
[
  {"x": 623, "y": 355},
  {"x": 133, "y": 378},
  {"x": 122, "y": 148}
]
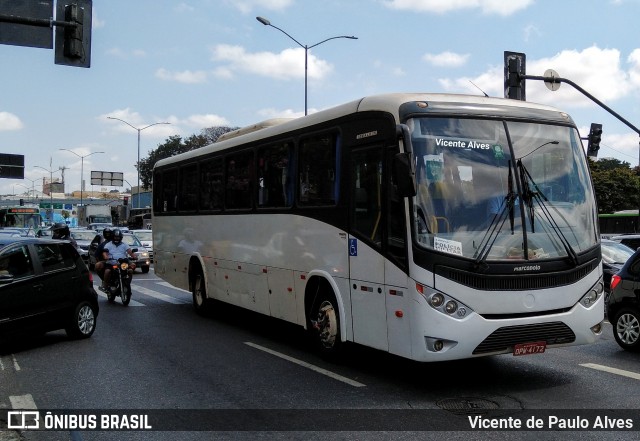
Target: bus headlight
[
  {"x": 443, "y": 303},
  {"x": 593, "y": 294}
]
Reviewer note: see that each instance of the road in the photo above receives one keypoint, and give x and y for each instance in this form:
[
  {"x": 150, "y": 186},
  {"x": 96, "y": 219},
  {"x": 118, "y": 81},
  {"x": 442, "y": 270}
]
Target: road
[{"x": 250, "y": 377}]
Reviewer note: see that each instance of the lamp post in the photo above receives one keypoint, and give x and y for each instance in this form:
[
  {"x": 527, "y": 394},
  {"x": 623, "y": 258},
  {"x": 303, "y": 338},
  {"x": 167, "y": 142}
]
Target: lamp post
[
  {"x": 50, "y": 170},
  {"x": 138, "y": 129},
  {"x": 81, "y": 168},
  {"x": 306, "y": 48}
]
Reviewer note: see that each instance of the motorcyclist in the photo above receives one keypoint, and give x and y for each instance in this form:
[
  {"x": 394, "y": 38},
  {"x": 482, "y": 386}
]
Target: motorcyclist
[
  {"x": 60, "y": 230},
  {"x": 114, "y": 250},
  {"x": 107, "y": 235}
]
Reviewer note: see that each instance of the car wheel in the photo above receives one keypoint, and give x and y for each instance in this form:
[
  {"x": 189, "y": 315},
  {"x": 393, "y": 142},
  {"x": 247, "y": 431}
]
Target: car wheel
[
  {"x": 83, "y": 322},
  {"x": 626, "y": 328},
  {"x": 199, "y": 291},
  {"x": 145, "y": 269},
  {"x": 324, "y": 325}
]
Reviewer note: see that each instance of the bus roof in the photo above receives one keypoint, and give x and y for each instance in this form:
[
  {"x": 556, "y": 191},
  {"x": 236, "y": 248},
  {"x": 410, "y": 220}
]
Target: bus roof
[{"x": 437, "y": 103}]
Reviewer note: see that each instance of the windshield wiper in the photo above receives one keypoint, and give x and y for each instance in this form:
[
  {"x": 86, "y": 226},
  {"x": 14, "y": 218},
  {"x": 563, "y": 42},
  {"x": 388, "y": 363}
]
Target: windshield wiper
[
  {"x": 529, "y": 196},
  {"x": 494, "y": 228}
]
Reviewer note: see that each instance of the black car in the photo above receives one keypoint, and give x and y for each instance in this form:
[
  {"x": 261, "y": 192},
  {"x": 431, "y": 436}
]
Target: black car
[
  {"x": 623, "y": 307},
  {"x": 45, "y": 286},
  {"x": 614, "y": 255}
]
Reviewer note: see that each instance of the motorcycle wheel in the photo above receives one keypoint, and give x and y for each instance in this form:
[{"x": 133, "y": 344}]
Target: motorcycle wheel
[
  {"x": 125, "y": 296},
  {"x": 111, "y": 297}
]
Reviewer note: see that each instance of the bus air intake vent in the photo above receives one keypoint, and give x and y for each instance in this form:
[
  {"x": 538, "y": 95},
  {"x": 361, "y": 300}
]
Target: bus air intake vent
[
  {"x": 516, "y": 282},
  {"x": 503, "y": 339}
]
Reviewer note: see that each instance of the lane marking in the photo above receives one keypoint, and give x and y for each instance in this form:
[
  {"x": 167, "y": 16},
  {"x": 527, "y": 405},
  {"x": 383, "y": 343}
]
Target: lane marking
[
  {"x": 151, "y": 293},
  {"x": 168, "y": 285},
  {"x": 131, "y": 302},
  {"x": 22, "y": 402},
  {"x": 16, "y": 366},
  {"x": 611, "y": 370},
  {"x": 333, "y": 375}
]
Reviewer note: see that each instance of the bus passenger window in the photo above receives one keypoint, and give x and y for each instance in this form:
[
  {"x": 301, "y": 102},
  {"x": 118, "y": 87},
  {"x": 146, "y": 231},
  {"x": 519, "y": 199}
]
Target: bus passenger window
[
  {"x": 239, "y": 176},
  {"x": 274, "y": 176},
  {"x": 317, "y": 171}
]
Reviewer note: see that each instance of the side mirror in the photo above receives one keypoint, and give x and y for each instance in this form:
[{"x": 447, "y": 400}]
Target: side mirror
[{"x": 404, "y": 174}]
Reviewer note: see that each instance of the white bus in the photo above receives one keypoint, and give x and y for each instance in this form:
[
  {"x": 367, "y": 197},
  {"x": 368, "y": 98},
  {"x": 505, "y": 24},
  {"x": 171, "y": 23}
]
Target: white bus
[{"x": 371, "y": 223}]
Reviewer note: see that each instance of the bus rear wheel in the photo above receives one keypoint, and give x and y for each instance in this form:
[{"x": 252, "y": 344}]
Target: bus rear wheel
[{"x": 324, "y": 326}]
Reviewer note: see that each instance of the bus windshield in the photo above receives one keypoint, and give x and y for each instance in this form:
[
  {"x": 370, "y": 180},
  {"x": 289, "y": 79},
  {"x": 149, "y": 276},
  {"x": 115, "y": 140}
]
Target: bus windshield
[{"x": 494, "y": 190}]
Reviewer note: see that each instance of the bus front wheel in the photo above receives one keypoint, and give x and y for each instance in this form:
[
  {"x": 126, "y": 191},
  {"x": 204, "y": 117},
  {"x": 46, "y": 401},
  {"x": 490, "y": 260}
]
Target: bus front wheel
[
  {"x": 199, "y": 291},
  {"x": 324, "y": 325}
]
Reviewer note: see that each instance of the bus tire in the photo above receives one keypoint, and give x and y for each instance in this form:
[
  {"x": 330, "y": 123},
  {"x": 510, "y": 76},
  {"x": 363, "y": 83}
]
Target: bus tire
[
  {"x": 324, "y": 325},
  {"x": 199, "y": 292}
]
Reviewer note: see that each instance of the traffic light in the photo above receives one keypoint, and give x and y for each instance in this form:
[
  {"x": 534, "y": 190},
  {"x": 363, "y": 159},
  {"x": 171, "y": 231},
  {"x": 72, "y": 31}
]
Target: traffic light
[
  {"x": 73, "y": 39},
  {"x": 595, "y": 136},
  {"x": 125, "y": 200},
  {"x": 515, "y": 67}
]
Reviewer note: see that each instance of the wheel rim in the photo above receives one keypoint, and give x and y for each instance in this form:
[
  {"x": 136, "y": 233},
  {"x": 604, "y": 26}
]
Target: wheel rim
[
  {"x": 86, "y": 320},
  {"x": 628, "y": 328},
  {"x": 327, "y": 325}
]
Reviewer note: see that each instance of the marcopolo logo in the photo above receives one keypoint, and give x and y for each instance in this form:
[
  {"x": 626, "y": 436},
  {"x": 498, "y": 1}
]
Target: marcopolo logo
[{"x": 523, "y": 268}]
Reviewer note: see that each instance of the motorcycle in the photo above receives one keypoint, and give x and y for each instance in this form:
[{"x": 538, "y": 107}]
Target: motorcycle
[{"x": 120, "y": 281}]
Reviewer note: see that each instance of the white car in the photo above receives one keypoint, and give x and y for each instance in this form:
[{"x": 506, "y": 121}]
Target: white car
[{"x": 146, "y": 238}]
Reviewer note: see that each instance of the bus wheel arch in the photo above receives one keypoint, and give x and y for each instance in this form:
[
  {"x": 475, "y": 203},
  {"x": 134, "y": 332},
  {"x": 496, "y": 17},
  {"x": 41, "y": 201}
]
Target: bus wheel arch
[
  {"x": 198, "y": 287},
  {"x": 324, "y": 317}
]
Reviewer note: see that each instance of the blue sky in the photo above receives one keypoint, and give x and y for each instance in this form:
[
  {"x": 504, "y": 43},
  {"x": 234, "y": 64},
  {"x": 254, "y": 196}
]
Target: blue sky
[{"x": 203, "y": 63}]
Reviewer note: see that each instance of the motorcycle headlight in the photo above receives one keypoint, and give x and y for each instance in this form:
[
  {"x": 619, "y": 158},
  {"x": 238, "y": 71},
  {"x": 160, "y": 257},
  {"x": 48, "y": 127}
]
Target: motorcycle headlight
[{"x": 124, "y": 265}]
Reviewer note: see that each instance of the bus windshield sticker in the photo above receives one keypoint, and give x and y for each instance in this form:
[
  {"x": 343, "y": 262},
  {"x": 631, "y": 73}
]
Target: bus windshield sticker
[
  {"x": 447, "y": 246},
  {"x": 465, "y": 143}
]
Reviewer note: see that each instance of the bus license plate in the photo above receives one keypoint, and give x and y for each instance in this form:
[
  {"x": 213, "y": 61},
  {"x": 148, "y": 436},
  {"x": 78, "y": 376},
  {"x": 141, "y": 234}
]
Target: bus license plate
[{"x": 537, "y": 347}]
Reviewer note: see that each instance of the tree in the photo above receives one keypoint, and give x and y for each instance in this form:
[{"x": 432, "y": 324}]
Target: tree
[
  {"x": 615, "y": 185},
  {"x": 174, "y": 145}
]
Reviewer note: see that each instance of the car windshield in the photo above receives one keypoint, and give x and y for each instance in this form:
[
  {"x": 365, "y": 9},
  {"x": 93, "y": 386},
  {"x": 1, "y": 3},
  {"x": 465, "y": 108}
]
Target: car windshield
[
  {"x": 83, "y": 235},
  {"x": 143, "y": 235},
  {"x": 614, "y": 252},
  {"x": 131, "y": 240},
  {"x": 493, "y": 190}
]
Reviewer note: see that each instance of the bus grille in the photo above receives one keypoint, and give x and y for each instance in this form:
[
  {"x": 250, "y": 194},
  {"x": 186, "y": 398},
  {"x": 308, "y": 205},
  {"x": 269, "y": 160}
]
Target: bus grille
[
  {"x": 517, "y": 282},
  {"x": 503, "y": 339}
]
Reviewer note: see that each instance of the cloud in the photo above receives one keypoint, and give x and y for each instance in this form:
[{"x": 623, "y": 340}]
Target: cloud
[
  {"x": 446, "y": 59},
  {"x": 186, "y": 77},
  {"x": 9, "y": 121},
  {"x": 598, "y": 71},
  {"x": 287, "y": 113},
  {"x": 286, "y": 65},
  {"x": 204, "y": 121},
  {"x": 499, "y": 7},
  {"x": 246, "y": 6}
]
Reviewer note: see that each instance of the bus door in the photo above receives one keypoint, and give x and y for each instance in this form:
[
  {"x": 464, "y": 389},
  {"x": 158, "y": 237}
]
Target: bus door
[{"x": 366, "y": 261}]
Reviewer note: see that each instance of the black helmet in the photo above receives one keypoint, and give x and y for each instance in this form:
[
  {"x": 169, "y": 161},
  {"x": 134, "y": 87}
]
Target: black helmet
[
  {"x": 117, "y": 236},
  {"x": 107, "y": 233},
  {"x": 60, "y": 229}
]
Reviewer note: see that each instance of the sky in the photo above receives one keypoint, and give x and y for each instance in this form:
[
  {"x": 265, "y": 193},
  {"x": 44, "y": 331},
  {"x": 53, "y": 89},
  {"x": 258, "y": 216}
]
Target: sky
[{"x": 204, "y": 63}]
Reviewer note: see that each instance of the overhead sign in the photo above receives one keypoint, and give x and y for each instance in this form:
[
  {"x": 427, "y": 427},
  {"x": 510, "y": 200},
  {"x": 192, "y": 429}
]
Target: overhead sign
[
  {"x": 11, "y": 166},
  {"x": 109, "y": 179},
  {"x": 19, "y": 33}
]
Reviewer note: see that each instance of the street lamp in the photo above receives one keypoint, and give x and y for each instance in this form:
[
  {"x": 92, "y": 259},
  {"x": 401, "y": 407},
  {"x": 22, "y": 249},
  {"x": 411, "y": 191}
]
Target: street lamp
[
  {"x": 138, "y": 129},
  {"x": 50, "y": 170},
  {"x": 306, "y": 48},
  {"x": 81, "y": 168}
]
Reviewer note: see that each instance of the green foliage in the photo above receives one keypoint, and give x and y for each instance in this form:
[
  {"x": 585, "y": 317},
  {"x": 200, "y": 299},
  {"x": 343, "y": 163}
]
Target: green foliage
[
  {"x": 616, "y": 185},
  {"x": 174, "y": 145}
]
